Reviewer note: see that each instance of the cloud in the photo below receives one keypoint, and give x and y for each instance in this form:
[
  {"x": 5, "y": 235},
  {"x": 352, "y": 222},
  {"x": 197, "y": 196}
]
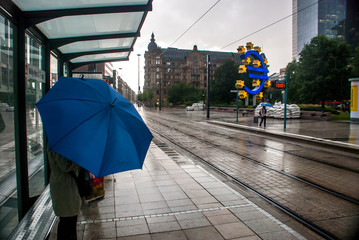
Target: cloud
[{"x": 227, "y": 22}]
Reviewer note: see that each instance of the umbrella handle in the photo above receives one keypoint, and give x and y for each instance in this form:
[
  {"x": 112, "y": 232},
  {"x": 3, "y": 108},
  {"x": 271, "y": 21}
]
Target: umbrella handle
[{"x": 112, "y": 104}]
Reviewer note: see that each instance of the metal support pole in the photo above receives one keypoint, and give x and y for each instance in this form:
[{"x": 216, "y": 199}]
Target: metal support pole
[
  {"x": 22, "y": 180},
  {"x": 237, "y": 105},
  {"x": 285, "y": 104},
  {"x": 139, "y": 89},
  {"x": 160, "y": 107},
  {"x": 47, "y": 63},
  {"x": 208, "y": 82},
  {"x": 60, "y": 68}
]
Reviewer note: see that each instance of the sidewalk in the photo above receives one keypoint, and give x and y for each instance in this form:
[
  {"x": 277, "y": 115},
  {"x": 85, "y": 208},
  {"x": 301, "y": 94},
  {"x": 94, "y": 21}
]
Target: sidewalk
[{"x": 172, "y": 198}]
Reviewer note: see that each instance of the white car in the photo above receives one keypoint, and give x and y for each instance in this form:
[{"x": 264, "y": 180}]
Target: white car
[{"x": 195, "y": 107}]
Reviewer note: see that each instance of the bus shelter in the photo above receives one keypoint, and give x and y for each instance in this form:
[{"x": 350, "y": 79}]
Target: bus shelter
[{"x": 41, "y": 40}]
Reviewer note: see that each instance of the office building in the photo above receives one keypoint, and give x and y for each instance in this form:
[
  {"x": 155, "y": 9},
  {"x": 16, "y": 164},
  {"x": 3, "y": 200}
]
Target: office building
[{"x": 312, "y": 18}]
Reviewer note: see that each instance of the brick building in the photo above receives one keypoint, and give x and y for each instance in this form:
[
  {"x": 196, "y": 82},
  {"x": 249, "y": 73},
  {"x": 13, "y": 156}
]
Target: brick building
[{"x": 166, "y": 66}]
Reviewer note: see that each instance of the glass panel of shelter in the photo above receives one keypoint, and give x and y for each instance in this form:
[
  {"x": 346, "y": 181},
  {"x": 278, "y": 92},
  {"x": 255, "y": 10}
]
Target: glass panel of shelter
[
  {"x": 8, "y": 198},
  {"x": 35, "y": 80}
]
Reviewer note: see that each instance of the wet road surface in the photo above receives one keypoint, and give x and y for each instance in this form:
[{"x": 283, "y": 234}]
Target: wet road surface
[{"x": 316, "y": 183}]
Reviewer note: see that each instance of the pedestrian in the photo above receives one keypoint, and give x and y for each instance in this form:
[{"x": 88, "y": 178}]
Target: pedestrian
[
  {"x": 263, "y": 116},
  {"x": 66, "y": 200}
]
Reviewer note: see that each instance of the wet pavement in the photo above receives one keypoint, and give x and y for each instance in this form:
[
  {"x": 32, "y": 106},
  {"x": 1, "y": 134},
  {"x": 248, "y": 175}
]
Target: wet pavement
[
  {"x": 340, "y": 131},
  {"x": 172, "y": 198}
]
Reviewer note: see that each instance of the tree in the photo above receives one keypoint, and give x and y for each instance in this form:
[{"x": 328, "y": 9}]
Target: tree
[
  {"x": 226, "y": 76},
  {"x": 181, "y": 93},
  {"x": 146, "y": 96},
  {"x": 293, "y": 85},
  {"x": 355, "y": 63},
  {"x": 321, "y": 73}
]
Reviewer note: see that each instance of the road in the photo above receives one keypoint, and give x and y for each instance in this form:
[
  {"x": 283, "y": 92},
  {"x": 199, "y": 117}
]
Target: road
[{"x": 317, "y": 185}]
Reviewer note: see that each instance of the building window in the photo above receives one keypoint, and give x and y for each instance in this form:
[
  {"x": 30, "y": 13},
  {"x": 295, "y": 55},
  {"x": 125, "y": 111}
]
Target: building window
[{"x": 168, "y": 64}]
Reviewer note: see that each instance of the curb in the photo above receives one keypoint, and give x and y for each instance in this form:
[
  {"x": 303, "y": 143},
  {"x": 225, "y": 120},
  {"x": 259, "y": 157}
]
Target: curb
[{"x": 348, "y": 147}]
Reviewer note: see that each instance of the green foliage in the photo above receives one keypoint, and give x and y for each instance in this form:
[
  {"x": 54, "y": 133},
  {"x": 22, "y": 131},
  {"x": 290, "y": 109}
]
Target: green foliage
[
  {"x": 355, "y": 63},
  {"x": 318, "y": 108},
  {"x": 145, "y": 96},
  {"x": 321, "y": 73},
  {"x": 182, "y": 93},
  {"x": 226, "y": 76},
  {"x": 341, "y": 116}
]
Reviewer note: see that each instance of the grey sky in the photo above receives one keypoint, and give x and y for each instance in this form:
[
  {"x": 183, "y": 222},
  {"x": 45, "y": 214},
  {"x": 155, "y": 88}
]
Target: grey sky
[{"x": 227, "y": 22}]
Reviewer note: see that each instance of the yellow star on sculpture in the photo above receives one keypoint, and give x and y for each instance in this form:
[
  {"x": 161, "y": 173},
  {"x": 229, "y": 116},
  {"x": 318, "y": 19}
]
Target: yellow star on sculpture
[
  {"x": 249, "y": 46},
  {"x": 256, "y": 63},
  {"x": 247, "y": 61},
  {"x": 242, "y": 69},
  {"x": 241, "y": 49}
]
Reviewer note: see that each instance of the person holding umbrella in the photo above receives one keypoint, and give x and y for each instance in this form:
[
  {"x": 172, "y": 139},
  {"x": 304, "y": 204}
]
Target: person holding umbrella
[
  {"x": 88, "y": 124},
  {"x": 66, "y": 200},
  {"x": 263, "y": 115}
]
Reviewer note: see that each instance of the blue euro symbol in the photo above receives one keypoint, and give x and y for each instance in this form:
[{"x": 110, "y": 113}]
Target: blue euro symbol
[{"x": 261, "y": 73}]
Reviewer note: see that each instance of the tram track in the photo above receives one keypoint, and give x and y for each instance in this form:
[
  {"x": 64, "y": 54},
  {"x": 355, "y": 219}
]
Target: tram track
[
  {"x": 275, "y": 149},
  {"x": 191, "y": 133},
  {"x": 309, "y": 224},
  {"x": 310, "y": 183}
]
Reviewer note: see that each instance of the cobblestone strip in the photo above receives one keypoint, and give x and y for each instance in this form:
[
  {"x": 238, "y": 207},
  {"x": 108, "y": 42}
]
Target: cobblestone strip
[{"x": 163, "y": 214}]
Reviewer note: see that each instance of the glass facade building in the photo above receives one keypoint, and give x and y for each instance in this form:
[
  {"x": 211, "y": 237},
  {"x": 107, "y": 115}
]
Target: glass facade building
[{"x": 311, "y": 19}]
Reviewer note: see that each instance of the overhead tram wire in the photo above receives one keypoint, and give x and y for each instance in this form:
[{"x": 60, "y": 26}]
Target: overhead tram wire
[
  {"x": 193, "y": 24},
  {"x": 271, "y": 24}
]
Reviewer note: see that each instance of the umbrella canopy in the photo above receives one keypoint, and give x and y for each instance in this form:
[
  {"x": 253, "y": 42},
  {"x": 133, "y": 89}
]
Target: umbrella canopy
[
  {"x": 91, "y": 124},
  {"x": 266, "y": 104}
]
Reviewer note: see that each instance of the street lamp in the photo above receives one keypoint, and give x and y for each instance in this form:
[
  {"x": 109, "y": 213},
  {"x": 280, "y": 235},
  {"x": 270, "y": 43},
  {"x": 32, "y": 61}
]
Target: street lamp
[
  {"x": 139, "y": 89},
  {"x": 160, "y": 99}
]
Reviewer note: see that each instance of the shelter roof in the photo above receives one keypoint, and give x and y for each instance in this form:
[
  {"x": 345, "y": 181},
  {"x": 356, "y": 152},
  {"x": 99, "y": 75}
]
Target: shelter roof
[{"x": 83, "y": 31}]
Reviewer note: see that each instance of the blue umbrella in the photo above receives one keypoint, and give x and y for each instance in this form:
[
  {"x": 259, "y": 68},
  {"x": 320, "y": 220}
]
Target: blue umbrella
[
  {"x": 266, "y": 104},
  {"x": 90, "y": 123}
]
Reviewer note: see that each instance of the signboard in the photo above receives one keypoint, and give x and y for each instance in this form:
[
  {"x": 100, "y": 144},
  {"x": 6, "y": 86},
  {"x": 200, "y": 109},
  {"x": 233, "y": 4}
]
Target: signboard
[
  {"x": 279, "y": 84},
  {"x": 354, "y": 98},
  {"x": 88, "y": 75},
  {"x": 34, "y": 73}
]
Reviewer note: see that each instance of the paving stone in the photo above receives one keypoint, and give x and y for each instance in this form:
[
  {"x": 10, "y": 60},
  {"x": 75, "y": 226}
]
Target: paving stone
[
  {"x": 221, "y": 219},
  {"x": 264, "y": 225},
  {"x": 173, "y": 235},
  {"x": 204, "y": 233},
  {"x": 234, "y": 230}
]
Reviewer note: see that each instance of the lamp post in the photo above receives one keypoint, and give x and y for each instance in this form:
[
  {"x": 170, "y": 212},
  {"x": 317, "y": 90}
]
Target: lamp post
[
  {"x": 160, "y": 95},
  {"x": 285, "y": 104},
  {"x": 139, "y": 89},
  {"x": 208, "y": 82},
  {"x": 160, "y": 107}
]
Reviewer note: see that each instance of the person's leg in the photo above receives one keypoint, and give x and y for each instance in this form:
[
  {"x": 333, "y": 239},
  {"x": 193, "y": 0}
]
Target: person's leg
[
  {"x": 66, "y": 229},
  {"x": 260, "y": 123},
  {"x": 265, "y": 122}
]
